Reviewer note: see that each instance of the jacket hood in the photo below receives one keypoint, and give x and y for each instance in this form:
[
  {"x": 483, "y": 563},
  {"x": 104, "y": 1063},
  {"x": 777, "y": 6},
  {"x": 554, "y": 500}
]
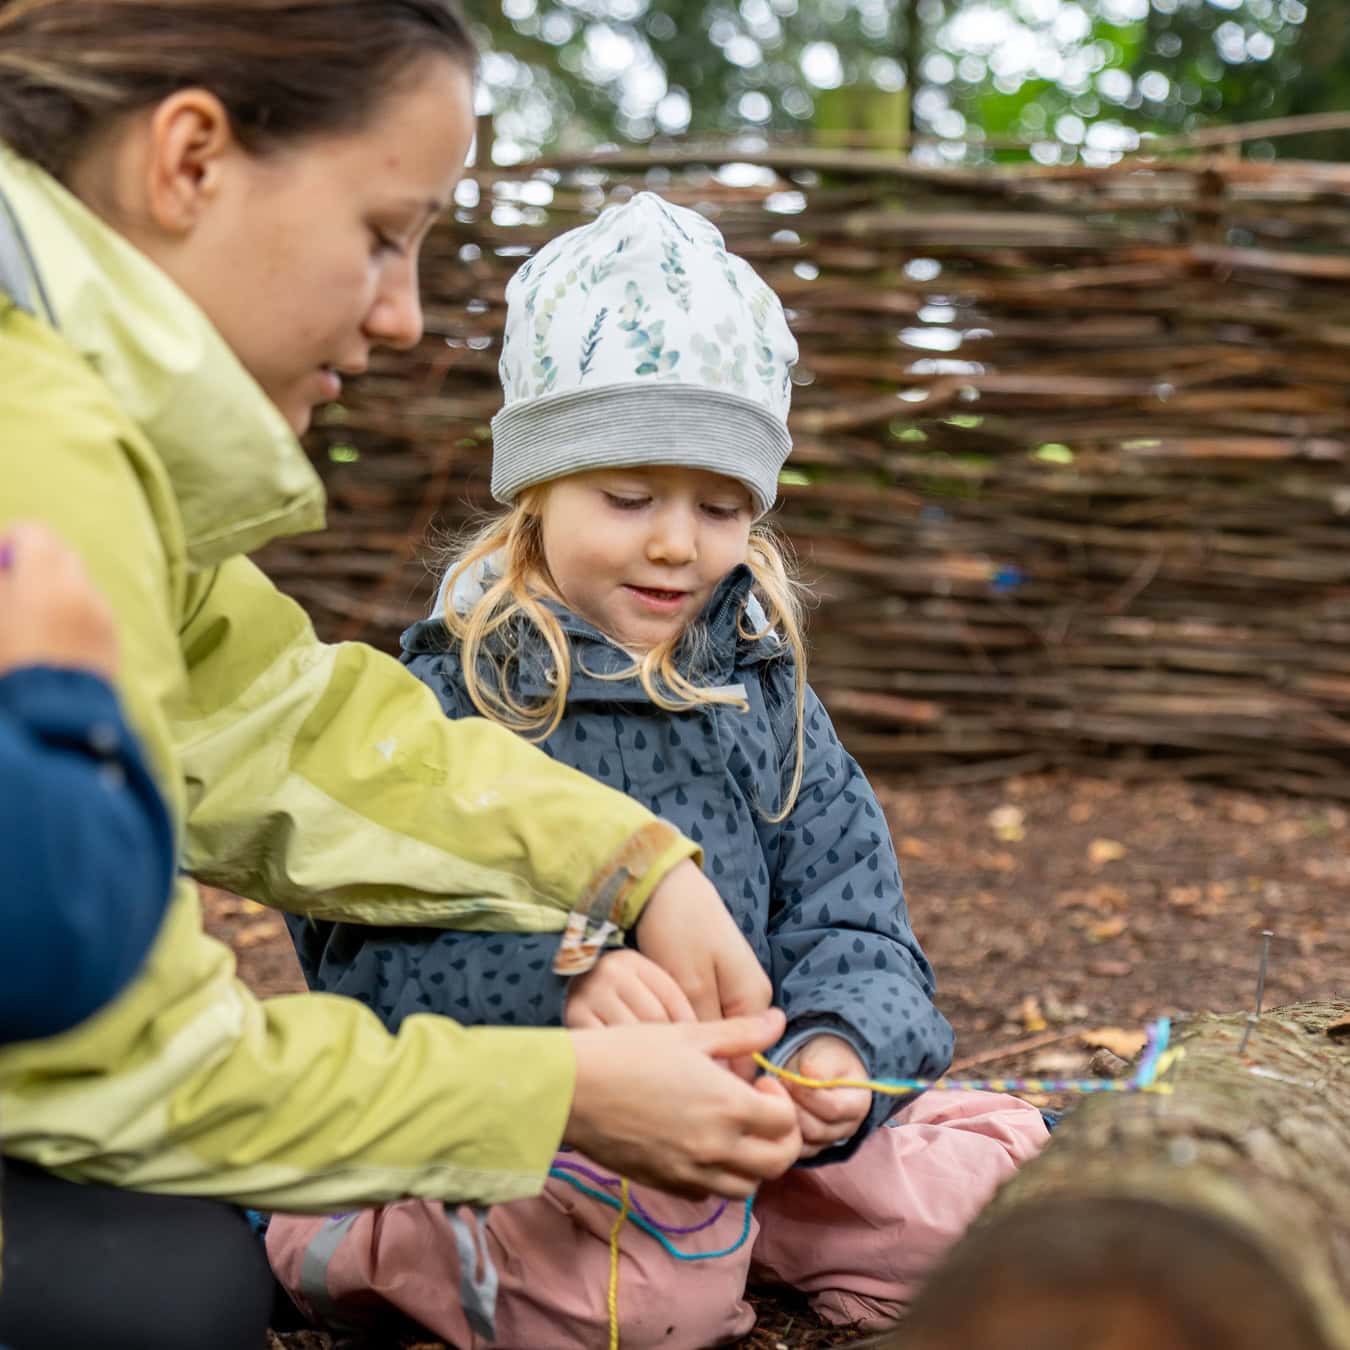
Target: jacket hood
[{"x": 239, "y": 474}]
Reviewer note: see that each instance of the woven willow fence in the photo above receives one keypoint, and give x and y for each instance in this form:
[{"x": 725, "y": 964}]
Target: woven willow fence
[{"x": 1070, "y": 474}]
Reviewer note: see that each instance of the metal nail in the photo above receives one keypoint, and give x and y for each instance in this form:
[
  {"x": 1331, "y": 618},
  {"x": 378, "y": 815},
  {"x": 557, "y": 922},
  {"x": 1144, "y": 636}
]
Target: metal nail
[{"x": 1254, "y": 1017}]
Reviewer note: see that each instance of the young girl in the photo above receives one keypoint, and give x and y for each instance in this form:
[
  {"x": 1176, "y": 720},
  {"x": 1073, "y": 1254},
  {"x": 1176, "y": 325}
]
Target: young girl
[{"x": 630, "y": 615}]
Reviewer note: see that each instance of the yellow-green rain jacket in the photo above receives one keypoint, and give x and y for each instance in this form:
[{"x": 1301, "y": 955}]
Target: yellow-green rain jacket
[{"x": 320, "y": 779}]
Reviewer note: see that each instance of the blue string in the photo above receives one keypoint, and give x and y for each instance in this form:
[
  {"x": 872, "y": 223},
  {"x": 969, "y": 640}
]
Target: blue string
[{"x": 642, "y": 1223}]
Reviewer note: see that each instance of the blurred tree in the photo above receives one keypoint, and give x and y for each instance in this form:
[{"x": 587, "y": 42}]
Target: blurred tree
[
  {"x": 1241, "y": 62},
  {"x": 1076, "y": 78}
]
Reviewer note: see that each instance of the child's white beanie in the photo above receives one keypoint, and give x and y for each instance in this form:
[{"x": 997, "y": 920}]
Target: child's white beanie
[{"x": 638, "y": 339}]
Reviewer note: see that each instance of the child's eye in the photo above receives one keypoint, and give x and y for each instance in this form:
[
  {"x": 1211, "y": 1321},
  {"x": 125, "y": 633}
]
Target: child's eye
[
  {"x": 621, "y": 503},
  {"x": 721, "y": 512}
]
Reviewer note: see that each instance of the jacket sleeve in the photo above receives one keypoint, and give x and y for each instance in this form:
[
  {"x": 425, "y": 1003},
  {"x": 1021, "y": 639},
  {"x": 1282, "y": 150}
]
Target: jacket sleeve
[
  {"x": 86, "y": 851},
  {"x": 844, "y": 960},
  {"x": 326, "y": 780}
]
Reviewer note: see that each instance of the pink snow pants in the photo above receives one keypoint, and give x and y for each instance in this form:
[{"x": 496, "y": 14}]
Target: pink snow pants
[{"x": 856, "y": 1237}]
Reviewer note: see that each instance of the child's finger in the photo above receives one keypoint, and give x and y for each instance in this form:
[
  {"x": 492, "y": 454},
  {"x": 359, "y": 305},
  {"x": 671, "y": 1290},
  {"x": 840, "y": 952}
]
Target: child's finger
[
  {"x": 674, "y": 1003},
  {"x": 642, "y": 1003},
  {"x": 816, "y": 1134},
  {"x": 834, "y": 1106}
]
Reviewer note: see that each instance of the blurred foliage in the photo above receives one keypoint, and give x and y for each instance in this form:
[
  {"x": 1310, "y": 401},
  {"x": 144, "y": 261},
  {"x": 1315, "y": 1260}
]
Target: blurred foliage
[{"x": 1073, "y": 78}]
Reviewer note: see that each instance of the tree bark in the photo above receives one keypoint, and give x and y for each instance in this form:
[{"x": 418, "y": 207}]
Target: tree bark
[{"x": 1216, "y": 1217}]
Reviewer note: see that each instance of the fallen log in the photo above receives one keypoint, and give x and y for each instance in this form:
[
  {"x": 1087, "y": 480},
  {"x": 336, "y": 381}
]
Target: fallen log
[{"x": 1213, "y": 1218}]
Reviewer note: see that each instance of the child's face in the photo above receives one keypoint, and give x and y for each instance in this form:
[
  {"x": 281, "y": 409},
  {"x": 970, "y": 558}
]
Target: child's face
[{"x": 639, "y": 551}]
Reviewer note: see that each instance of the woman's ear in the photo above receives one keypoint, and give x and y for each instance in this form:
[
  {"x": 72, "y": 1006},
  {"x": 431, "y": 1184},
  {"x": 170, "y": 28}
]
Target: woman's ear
[{"x": 190, "y": 143}]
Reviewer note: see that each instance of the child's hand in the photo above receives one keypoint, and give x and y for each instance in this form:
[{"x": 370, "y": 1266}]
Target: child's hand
[
  {"x": 655, "y": 1104},
  {"x": 50, "y": 613},
  {"x": 624, "y": 988},
  {"x": 828, "y": 1116},
  {"x": 686, "y": 930}
]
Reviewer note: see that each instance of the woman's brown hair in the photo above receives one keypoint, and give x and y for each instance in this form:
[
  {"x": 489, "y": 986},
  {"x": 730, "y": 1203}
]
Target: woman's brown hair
[{"x": 284, "y": 69}]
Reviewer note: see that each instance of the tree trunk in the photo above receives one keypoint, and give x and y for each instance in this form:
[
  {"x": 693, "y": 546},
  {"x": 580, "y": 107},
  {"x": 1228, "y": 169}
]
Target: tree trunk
[{"x": 1216, "y": 1217}]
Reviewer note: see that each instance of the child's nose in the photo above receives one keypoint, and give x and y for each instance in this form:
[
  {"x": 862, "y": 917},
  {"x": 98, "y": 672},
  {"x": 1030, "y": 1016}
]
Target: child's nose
[{"x": 675, "y": 538}]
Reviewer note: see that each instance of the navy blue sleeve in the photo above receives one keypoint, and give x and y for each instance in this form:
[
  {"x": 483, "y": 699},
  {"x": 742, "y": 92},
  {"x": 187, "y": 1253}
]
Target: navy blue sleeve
[
  {"x": 844, "y": 960},
  {"x": 479, "y": 979},
  {"x": 86, "y": 852}
]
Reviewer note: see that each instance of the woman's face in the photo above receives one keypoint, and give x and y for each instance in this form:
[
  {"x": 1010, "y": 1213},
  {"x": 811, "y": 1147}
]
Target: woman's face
[{"x": 305, "y": 258}]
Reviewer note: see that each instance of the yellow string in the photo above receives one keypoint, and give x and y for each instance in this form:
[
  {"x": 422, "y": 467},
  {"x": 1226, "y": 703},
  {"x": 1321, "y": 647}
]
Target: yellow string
[
  {"x": 779, "y": 1072},
  {"x": 614, "y": 1267}
]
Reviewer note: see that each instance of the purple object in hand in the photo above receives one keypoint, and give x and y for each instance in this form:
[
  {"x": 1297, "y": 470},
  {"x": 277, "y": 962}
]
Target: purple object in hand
[{"x": 6, "y": 555}]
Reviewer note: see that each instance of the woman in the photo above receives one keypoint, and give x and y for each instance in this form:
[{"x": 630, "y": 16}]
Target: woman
[{"x": 211, "y": 213}]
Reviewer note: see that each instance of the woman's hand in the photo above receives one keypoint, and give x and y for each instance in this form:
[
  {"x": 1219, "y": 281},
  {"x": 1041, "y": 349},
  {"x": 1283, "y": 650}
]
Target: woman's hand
[
  {"x": 653, "y": 1104},
  {"x": 828, "y": 1116},
  {"x": 624, "y": 988},
  {"x": 686, "y": 929},
  {"x": 50, "y": 612}
]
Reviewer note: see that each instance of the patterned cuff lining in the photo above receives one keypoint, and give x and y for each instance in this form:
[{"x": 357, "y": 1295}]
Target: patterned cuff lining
[{"x": 597, "y": 915}]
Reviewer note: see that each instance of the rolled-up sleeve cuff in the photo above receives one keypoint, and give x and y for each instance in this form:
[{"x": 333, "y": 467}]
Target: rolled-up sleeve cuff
[{"x": 616, "y": 896}]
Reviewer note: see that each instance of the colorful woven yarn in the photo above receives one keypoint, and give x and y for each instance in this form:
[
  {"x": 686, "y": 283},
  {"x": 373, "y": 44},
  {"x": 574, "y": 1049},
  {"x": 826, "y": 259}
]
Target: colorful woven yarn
[{"x": 1142, "y": 1080}]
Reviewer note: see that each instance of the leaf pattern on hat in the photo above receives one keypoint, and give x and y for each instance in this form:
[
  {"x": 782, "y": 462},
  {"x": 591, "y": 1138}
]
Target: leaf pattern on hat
[
  {"x": 722, "y": 363},
  {"x": 677, "y": 283},
  {"x": 649, "y": 338},
  {"x": 600, "y": 272},
  {"x": 592, "y": 340},
  {"x": 545, "y": 367},
  {"x": 764, "y": 360}
]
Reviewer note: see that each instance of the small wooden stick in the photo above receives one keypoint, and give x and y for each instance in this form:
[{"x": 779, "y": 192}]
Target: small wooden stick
[{"x": 1036, "y": 1042}]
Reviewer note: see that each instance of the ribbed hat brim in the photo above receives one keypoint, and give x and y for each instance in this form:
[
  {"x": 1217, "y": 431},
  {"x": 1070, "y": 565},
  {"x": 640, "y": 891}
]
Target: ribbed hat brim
[{"x": 629, "y": 425}]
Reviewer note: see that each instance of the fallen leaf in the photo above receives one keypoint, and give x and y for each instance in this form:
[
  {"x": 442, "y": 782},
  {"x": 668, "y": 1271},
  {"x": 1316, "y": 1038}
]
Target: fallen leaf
[
  {"x": 1103, "y": 899},
  {"x": 1108, "y": 929},
  {"x": 909, "y": 847},
  {"x": 1032, "y": 1018},
  {"x": 1248, "y": 812},
  {"x": 1059, "y": 1012},
  {"x": 1007, "y": 823},
  {"x": 1104, "y": 851},
  {"x": 1118, "y": 1040},
  {"x": 1109, "y": 969},
  {"x": 260, "y": 930},
  {"x": 1056, "y": 1064},
  {"x": 232, "y": 906}
]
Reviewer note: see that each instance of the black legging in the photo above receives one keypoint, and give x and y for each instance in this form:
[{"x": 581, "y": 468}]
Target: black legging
[{"x": 123, "y": 1270}]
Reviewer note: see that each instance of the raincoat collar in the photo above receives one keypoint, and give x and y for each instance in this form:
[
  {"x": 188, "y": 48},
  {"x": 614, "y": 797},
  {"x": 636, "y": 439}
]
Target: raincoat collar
[
  {"x": 239, "y": 474},
  {"x": 714, "y": 654}
]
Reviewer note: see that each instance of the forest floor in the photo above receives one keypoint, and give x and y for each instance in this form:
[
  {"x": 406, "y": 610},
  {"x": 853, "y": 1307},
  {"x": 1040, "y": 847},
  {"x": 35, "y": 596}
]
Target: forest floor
[{"x": 1061, "y": 914}]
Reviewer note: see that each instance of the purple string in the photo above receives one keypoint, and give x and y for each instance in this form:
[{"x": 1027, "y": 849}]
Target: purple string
[
  {"x": 601, "y": 1179},
  {"x": 6, "y": 555}
]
